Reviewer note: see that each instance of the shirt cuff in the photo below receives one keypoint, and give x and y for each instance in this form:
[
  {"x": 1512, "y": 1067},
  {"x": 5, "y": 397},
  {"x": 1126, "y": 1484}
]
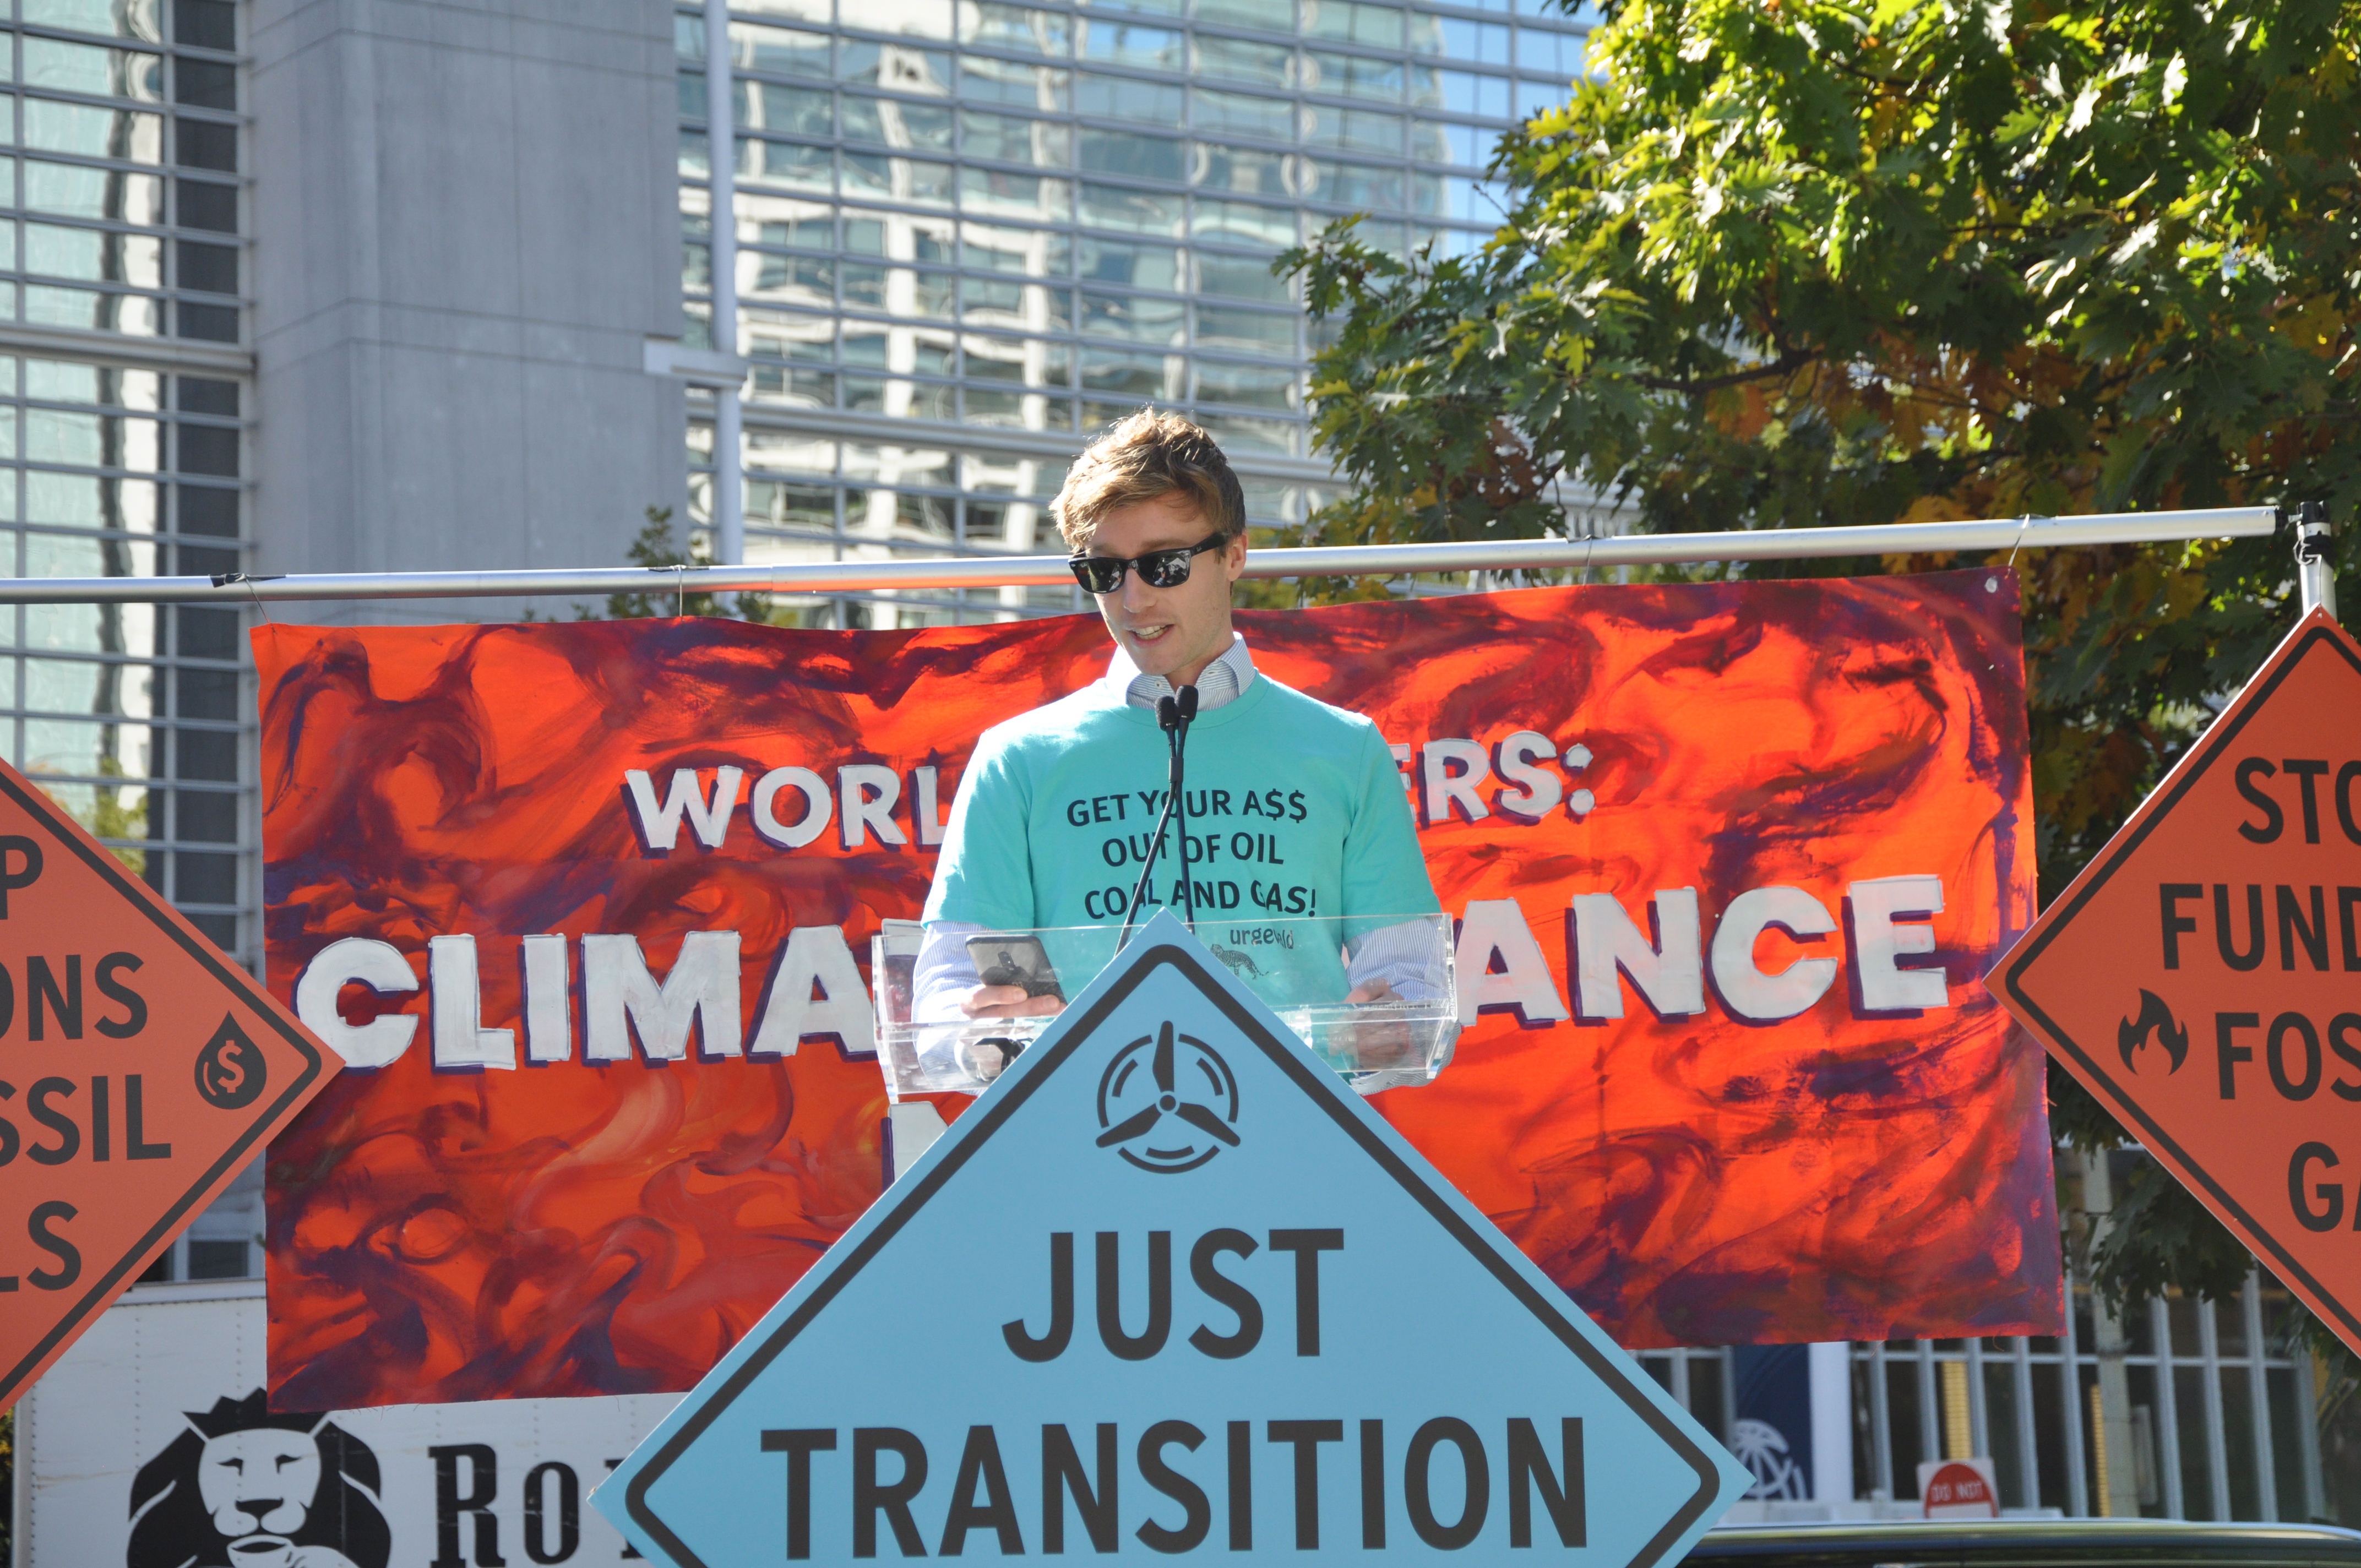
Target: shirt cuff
[
  {"x": 1404, "y": 957},
  {"x": 945, "y": 972}
]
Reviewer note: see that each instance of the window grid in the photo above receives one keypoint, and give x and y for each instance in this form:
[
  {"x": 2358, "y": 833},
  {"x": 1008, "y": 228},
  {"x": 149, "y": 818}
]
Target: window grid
[
  {"x": 131, "y": 716},
  {"x": 124, "y": 170},
  {"x": 1038, "y": 217},
  {"x": 121, "y": 198}
]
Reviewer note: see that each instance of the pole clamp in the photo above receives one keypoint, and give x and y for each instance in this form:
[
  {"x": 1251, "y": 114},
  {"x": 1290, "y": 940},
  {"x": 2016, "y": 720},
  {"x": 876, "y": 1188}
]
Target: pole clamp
[{"x": 2312, "y": 532}]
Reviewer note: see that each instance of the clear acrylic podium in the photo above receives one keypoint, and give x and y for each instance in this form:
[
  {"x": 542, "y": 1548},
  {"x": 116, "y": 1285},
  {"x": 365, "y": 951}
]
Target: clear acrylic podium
[{"x": 1305, "y": 969}]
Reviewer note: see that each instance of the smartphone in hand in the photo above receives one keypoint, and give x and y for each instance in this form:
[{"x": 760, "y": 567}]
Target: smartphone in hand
[{"x": 1014, "y": 960}]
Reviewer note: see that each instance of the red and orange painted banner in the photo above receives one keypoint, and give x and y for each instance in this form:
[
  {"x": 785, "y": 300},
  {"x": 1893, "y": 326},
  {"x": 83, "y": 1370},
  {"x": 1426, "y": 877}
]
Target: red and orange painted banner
[{"x": 587, "y": 908}]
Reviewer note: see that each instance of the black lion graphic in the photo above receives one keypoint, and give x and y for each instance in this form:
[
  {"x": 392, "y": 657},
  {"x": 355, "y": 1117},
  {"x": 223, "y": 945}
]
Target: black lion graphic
[{"x": 246, "y": 1489}]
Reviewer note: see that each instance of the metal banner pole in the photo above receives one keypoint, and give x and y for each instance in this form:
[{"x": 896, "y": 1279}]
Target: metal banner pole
[
  {"x": 979, "y": 570},
  {"x": 2315, "y": 574},
  {"x": 728, "y": 502}
]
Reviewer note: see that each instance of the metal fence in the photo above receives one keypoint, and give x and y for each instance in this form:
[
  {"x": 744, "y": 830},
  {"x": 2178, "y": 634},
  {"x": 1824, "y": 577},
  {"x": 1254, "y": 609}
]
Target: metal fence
[{"x": 2187, "y": 1410}]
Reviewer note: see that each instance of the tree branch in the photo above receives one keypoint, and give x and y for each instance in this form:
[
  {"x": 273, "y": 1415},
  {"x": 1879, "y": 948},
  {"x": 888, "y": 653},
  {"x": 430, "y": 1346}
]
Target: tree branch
[{"x": 1786, "y": 364}]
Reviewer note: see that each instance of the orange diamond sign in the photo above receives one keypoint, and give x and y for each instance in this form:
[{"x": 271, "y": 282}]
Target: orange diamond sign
[
  {"x": 139, "y": 1071},
  {"x": 2203, "y": 976}
]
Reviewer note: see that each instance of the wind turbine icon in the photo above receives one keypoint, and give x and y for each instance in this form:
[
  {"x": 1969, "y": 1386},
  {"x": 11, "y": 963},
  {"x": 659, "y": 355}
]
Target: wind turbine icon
[{"x": 1167, "y": 1093}]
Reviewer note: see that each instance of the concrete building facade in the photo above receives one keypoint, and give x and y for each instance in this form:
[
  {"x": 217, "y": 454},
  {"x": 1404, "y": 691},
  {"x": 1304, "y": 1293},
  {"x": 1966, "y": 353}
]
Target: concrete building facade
[{"x": 462, "y": 241}]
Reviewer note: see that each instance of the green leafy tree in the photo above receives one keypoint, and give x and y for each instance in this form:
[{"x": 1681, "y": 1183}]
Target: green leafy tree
[
  {"x": 1794, "y": 263},
  {"x": 110, "y": 817},
  {"x": 655, "y": 548}
]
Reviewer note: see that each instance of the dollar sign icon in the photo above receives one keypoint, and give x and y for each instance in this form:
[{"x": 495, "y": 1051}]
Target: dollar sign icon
[{"x": 230, "y": 1070}]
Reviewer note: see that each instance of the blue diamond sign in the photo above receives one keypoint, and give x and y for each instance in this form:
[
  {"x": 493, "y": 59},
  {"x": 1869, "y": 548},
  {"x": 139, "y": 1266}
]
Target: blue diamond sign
[{"x": 1170, "y": 1289}]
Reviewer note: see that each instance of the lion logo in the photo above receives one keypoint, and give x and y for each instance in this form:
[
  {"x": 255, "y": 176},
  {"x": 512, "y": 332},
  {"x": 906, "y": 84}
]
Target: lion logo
[{"x": 245, "y": 1487}]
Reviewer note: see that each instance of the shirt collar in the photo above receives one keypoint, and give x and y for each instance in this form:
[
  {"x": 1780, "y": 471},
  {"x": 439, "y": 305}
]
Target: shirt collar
[{"x": 1223, "y": 681}]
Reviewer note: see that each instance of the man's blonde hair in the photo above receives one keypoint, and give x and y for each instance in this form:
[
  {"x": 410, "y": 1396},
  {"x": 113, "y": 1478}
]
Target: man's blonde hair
[{"x": 1144, "y": 457}]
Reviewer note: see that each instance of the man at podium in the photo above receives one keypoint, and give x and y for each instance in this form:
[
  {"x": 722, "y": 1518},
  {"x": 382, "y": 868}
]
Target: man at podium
[{"x": 1292, "y": 808}]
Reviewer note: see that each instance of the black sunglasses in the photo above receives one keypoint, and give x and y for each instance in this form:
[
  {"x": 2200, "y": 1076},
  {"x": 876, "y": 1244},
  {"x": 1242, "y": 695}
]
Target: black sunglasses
[{"x": 1158, "y": 568}]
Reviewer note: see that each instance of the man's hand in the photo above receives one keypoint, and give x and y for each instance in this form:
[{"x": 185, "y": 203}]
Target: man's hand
[
  {"x": 1010, "y": 1001},
  {"x": 1380, "y": 1044}
]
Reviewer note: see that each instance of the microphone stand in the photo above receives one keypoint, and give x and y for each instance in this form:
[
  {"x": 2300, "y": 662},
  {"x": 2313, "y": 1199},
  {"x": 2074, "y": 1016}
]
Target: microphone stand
[{"x": 1173, "y": 715}]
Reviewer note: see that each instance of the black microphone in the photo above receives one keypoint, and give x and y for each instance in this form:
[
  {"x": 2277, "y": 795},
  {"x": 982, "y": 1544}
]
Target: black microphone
[
  {"x": 1173, "y": 715},
  {"x": 1184, "y": 710}
]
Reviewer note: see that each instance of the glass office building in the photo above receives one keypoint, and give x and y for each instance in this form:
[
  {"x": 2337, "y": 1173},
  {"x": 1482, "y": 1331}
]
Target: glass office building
[
  {"x": 122, "y": 386},
  {"x": 125, "y": 382},
  {"x": 972, "y": 233}
]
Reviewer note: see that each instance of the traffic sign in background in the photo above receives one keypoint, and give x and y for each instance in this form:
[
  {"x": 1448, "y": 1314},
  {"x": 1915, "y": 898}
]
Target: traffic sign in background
[
  {"x": 2203, "y": 976},
  {"x": 1169, "y": 1287},
  {"x": 139, "y": 1071}
]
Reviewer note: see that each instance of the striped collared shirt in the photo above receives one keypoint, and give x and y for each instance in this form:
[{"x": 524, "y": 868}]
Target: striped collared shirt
[{"x": 1222, "y": 681}]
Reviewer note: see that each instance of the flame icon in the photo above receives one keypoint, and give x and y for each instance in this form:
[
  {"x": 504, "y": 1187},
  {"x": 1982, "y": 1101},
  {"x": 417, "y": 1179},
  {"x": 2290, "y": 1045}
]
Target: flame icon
[{"x": 2170, "y": 1033}]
